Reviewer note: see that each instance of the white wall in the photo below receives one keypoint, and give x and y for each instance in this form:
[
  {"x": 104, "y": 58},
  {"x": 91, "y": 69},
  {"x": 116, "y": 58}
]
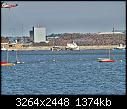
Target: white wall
[{"x": 39, "y": 34}]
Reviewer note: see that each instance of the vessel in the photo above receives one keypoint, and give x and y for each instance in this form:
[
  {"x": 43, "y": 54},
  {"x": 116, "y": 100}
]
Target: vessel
[
  {"x": 121, "y": 47},
  {"x": 7, "y": 64},
  {"x": 105, "y": 60},
  {"x": 72, "y": 46}
]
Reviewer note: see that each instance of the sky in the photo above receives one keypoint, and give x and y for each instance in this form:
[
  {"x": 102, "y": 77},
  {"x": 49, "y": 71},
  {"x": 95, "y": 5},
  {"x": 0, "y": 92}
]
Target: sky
[{"x": 63, "y": 17}]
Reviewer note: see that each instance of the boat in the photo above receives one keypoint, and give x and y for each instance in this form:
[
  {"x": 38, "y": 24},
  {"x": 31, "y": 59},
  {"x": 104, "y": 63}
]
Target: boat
[
  {"x": 3, "y": 49},
  {"x": 72, "y": 46},
  {"x": 17, "y": 61},
  {"x": 6, "y": 63},
  {"x": 55, "y": 48},
  {"x": 105, "y": 60},
  {"x": 121, "y": 47}
]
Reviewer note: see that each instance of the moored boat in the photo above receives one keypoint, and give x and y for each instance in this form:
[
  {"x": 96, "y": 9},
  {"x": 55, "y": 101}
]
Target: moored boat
[
  {"x": 121, "y": 47},
  {"x": 3, "y": 49},
  {"x": 72, "y": 46},
  {"x": 7, "y": 64},
  {"x": 105, "y": 60}
]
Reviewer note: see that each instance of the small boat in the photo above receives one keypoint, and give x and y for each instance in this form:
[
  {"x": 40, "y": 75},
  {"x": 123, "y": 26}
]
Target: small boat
[
  {"x": 72, "y": 46},
  {"x": 7, "y": 64},
  {"x": 55, "y": 48},
  {"x": 121, "y": 47},
  {"x": 3, "y": 49},
  {"x": 105, "y": 60},
  {"x": 17, "y": 62}
]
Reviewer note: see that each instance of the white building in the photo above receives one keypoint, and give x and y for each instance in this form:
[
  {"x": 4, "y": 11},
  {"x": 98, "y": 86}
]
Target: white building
[
  {"x": 38, "y": 34},
  {"x": 110, "y": 33}
]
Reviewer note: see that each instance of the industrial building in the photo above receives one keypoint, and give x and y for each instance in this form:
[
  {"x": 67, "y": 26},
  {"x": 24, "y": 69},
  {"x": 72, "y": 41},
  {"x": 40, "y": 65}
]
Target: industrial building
[{"x": 38, "y": 34}]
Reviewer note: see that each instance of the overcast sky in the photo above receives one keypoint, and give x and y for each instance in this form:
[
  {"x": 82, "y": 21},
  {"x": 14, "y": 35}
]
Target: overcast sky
[{"x": 63, "y": 16}]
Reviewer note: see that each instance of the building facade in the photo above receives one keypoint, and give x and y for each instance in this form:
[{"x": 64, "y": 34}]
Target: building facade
[
  {"x": 38, "y": 34},
  {"x": 31, "y": 36}
]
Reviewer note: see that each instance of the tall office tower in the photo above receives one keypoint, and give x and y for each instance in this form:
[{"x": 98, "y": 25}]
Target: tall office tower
[{"x": 38, "y": 34}]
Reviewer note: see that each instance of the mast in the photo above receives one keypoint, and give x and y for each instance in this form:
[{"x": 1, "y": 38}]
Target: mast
[
  {"x": 16, "y": 50},
  {"x": 7, "y": 55},
  {"x": 22, "y": 39},
  {"x": 16, "y": 56},
  {"x": 109, "y": 53},
  {"x": 110, "y": 44},
  {"x": 53, "y": 40}
]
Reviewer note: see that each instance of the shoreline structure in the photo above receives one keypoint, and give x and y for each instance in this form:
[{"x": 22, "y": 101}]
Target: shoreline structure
[{"x": 63, "y": 47}]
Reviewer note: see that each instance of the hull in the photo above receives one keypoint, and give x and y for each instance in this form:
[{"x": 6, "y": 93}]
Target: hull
[
  {"x": 106, "y": 60},
  {"x": 3, "y": 49},
  {"x": 7, "y": 64}
]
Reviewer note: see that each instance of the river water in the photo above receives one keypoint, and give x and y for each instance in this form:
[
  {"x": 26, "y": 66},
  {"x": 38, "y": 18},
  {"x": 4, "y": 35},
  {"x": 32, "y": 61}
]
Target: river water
[{"x": 64, "y": 72}]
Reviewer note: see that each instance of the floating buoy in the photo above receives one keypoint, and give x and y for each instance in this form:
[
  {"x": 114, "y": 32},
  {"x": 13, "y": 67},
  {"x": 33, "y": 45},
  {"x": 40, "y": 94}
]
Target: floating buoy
[{"x": 121, "y": 60}]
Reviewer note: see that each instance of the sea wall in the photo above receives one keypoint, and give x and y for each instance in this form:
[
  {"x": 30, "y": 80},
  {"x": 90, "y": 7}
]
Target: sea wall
[{"x": 63, "y": 47}]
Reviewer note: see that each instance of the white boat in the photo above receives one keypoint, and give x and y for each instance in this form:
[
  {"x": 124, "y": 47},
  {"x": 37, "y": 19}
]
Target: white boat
[
  {"x": 72, "y": 46},
  {"x": 121, "y": 46},
  {"x": 3, "y": 49},
  {"x": 17, "y": 60}
]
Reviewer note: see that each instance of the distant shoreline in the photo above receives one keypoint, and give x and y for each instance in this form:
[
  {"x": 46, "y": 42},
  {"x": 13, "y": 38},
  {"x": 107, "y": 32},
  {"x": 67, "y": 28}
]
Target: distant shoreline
[{"x": 63, "y": 47}]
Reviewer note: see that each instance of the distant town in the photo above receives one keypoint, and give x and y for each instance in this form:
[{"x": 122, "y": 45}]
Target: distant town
[{"x": 37, "y": 37}]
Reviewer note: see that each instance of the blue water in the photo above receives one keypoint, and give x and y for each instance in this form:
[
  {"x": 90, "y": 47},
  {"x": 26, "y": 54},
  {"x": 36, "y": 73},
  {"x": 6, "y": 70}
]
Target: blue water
[{"x": 64, "y": 72}]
